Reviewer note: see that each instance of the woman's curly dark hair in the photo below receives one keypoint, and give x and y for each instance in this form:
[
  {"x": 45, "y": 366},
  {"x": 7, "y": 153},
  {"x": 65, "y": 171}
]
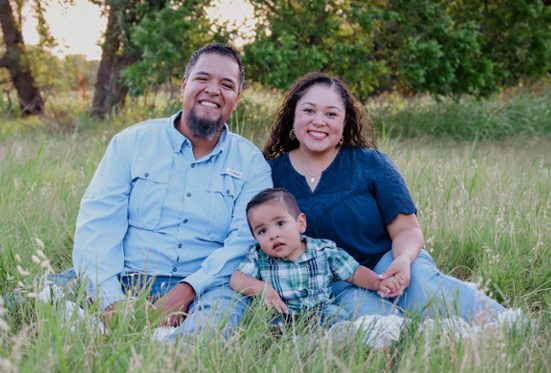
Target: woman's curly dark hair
[{"x": 355, "y": 122}]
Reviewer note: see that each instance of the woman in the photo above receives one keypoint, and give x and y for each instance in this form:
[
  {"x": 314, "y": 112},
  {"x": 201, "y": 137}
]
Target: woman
[{"x": 354, "y": 195}]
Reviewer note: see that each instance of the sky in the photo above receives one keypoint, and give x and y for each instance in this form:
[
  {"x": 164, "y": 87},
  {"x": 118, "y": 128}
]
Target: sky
[{"x": 78, "y": 29}]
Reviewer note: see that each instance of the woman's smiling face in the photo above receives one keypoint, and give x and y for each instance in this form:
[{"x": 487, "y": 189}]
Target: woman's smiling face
[{"x": 319, "y": 120}]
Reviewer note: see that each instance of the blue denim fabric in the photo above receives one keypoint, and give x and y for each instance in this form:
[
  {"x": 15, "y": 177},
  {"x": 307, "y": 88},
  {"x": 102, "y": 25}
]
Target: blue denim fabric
[
  {"x": 328, "y": 314},
  {"x": 219, "y": 307},
  {"x": 430, "y": 292}
]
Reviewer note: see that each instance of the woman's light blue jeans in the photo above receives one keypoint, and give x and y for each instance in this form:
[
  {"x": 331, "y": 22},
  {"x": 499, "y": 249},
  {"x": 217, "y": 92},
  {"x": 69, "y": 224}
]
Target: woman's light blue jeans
[{"x": 430, "y": 293}]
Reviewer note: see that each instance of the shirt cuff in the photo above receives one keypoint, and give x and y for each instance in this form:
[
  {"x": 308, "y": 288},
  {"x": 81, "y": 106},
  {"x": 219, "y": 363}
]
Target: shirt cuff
[
  {"x": 110, "y": 292},
  {"x": 199, "y": 281}
]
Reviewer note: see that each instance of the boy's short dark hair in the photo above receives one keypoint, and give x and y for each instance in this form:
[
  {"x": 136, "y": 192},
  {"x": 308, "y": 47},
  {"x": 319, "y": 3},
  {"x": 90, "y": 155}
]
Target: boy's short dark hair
[
  {"x": 273, "y": 195},
  {"x": 222, "y": 50}
]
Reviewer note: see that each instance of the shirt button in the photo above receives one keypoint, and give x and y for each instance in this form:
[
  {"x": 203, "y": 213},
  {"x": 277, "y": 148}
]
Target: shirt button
[
  {"x": 228, "y": 191},
  {"x": 185, "y": 221},
  {"x": 192, "y": 165},
  {"x": 180, "y": 245},
  {"x": 188, "y": 194},
  {"x": 146, "y": 174},
  {"x": 174, "y": 269}
]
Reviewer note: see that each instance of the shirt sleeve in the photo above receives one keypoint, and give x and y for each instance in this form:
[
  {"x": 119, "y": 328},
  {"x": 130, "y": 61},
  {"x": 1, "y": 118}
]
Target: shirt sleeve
[
  {"x": 390, "y": 189},
  {"x": 101, "y": 225},
  {"x": 221, "y": 263},
  {"x": 249, "y": 265},
  {"x": 342, "y": 264}
]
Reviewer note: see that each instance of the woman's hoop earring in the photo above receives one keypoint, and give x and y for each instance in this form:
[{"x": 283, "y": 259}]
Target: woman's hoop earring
[
  {"x": 342, "y": 140},
  {"x": 292, "y": 134}
]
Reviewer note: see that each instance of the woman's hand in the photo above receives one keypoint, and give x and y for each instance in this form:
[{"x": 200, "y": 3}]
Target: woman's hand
[
  {"x": 407, "y": 241},
  {"x": 399, "y": 268}
]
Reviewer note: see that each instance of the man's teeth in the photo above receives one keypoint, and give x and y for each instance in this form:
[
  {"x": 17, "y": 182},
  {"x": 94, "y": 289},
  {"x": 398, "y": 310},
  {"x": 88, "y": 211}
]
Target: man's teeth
[{"x": 209, "y": 104}]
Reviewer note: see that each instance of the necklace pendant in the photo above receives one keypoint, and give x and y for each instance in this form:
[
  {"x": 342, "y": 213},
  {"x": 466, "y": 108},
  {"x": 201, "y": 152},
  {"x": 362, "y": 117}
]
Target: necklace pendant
[{"x": 312, "y": 179}]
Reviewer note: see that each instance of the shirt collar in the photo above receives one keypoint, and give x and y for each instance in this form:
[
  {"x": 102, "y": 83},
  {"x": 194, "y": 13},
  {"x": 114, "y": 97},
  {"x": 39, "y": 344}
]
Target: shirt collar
[
  {"x": 309, "y": 248},
  {"x": 179, "y": 140}
]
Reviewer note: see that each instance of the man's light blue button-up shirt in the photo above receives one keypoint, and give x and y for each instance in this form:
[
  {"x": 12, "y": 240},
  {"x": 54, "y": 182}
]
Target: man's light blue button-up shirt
[{"x": 152, "y": 208}]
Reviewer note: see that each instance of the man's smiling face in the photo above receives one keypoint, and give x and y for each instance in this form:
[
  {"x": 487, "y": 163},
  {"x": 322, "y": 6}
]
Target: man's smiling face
[{"x": 211, "y": 92}]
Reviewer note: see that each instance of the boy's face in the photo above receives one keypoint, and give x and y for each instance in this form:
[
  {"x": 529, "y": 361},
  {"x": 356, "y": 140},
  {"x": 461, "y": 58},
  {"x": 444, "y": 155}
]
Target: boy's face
[{"x": 277, "y": 231}]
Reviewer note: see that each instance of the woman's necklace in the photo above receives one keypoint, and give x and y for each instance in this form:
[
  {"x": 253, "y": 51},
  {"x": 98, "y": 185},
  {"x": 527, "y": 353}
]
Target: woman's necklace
[{"x": 312, "y": 178}]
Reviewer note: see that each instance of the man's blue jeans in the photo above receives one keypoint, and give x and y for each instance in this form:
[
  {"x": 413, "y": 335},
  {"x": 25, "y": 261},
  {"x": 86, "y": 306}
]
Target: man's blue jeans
[
  {"x": 430, "y": 292},
  {"x": 218, "y": 308}
]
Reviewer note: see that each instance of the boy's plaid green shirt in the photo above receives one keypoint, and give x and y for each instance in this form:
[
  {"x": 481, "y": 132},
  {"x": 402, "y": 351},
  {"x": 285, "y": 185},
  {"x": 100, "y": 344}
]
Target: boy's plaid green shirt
[{"x": 305, "y": 283}]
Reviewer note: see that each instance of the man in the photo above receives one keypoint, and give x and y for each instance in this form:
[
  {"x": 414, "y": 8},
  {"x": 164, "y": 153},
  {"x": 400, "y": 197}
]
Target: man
[{"x": 166, "y": 206}]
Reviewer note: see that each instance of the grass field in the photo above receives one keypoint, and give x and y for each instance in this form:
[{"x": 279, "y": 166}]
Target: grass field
[{"x": 484, "y": 201}]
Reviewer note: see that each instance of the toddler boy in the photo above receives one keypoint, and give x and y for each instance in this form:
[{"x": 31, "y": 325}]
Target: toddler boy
[{"x": 294, "y": 272}]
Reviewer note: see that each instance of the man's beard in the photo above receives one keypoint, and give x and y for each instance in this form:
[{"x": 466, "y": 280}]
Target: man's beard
[{"x": 202, "y": 128}]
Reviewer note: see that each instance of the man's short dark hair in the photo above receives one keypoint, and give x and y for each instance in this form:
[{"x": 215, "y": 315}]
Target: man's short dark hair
[
  {"x": 274, "y": 195},
  {"x": 222, "y": 50}
]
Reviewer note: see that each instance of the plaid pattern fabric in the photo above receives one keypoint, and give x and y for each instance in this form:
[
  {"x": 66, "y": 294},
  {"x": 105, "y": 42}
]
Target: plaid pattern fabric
[{"x": 305, "y": 283}]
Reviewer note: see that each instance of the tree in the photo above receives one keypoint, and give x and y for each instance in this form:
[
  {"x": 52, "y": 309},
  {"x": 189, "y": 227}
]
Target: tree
[
  {"x": 118, "y": 51},
  {"x": 109, "y": 91},
  {"x": 133, "y": 59},
  {"x": 427, "y": 50},
  {"x": 333, "y": 36},
  {"x": 438, "y": 46},
  {"x": 514, "y": 34},
  {"x": 16, "y": 61},
  {"x": 166, "y": 40}
]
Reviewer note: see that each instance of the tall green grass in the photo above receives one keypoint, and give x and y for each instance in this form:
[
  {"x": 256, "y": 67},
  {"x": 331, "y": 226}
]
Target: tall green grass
[
  {"x": 486, "y": 212},
  {"x": 525, "y": 113},
  {"x": 485, "y": 209}
]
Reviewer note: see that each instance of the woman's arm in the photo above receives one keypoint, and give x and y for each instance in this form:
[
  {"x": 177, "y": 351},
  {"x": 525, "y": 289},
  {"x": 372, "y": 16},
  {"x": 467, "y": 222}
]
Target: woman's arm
[
  {"x": 250, "y": 286},
  {"x": 407, "y": 242}
]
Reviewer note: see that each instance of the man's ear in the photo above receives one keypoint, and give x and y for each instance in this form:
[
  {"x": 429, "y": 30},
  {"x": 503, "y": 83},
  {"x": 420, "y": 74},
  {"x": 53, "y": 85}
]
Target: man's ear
[
  {"x": 301, "y": 223},
  {"x": 236, "y": 101},
  {"x": 183, "y": 86}
]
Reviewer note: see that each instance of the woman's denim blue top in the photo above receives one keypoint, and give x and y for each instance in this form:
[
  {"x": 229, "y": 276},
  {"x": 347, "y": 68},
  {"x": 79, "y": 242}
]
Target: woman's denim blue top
[{"x": 357, "y": 195}]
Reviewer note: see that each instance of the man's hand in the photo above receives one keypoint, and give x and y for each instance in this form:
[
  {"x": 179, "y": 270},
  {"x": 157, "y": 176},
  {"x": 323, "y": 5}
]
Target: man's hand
[
  {"x": 272, "y": 299},
  {"x": 108, "y": 314},
  {"x": 177, "y": 301},
  {"x": 399, "y": 268}
]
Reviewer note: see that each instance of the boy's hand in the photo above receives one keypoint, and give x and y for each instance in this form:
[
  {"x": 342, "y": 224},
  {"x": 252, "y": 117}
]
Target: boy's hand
[
  {"x": 391, "y": 285},
  {"x": 272, "y": 299},
  {"x": 399, "y": 268}
]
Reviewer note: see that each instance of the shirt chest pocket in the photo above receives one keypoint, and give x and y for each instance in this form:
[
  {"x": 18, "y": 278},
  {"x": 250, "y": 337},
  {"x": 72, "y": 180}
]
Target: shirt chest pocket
[
  {"x": 223, "y": 191},
  {"x": 148, "y": 194}
]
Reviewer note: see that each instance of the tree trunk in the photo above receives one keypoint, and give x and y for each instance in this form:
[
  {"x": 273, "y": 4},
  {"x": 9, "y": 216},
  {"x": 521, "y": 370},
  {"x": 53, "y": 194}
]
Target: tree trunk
[
  {"x": 15, "y": 60},
  {"x": 110, "y": 91}
]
